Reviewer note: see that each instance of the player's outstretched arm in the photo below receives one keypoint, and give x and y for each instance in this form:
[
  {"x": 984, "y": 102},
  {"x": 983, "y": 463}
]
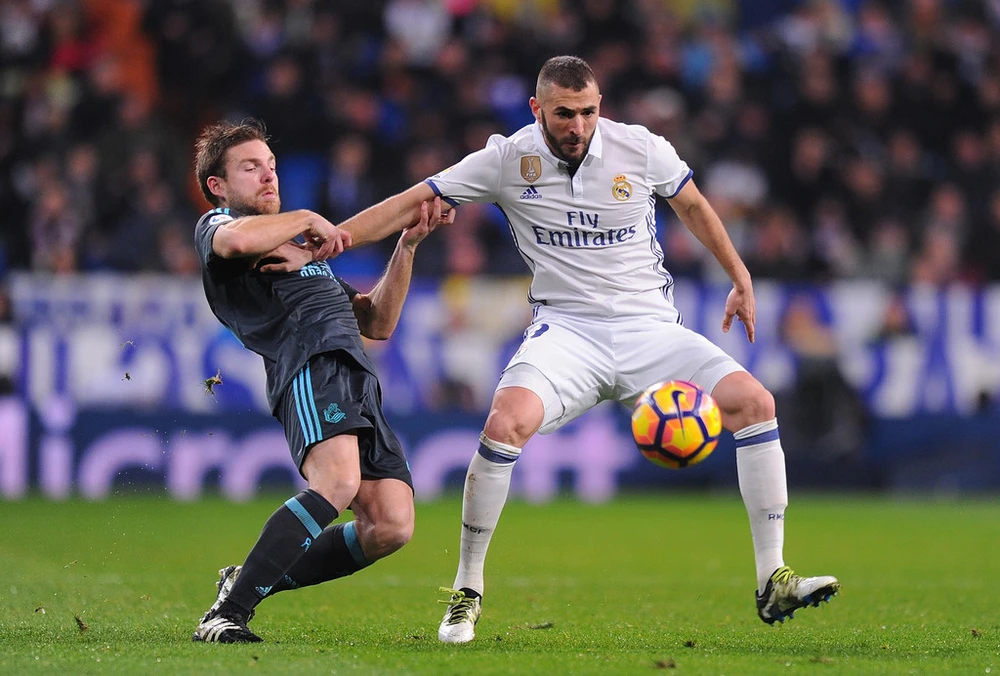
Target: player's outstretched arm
[
  {"x": 388, "y": 216},
  {"x": 378, "y": 311},
  {"x": 251, "y": 236},
  {"x": 700, "y": 218}
]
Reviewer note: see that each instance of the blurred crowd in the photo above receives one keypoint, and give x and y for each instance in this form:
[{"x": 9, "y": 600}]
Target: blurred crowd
[{"x": 836, "y": 138}]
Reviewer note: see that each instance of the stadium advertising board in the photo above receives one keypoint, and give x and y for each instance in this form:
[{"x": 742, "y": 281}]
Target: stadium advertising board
[{"x": 110, "y": 382}]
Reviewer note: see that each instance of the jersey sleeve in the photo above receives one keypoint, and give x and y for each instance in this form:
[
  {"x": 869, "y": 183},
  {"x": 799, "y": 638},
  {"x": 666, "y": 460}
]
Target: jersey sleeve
[
  {"x": 667, "y": 171},
  {"x": 204, "y": 232},
  {"x": 350, "y": 290},
  {"x": 475, "y": 179}
]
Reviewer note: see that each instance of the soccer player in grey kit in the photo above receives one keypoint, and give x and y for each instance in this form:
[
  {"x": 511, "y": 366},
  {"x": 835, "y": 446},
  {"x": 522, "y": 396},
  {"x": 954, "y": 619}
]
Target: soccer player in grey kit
[
  {"x": 579, "y": 192},
  {"x": 282, "y": 300}
]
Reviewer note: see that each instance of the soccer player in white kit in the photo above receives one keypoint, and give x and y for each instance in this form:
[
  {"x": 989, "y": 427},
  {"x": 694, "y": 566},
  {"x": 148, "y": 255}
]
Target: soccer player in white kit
[{"x": 578, "y": 192}]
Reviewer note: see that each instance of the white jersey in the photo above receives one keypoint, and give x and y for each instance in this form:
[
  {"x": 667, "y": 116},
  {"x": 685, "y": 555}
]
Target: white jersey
[{"x": 589, "y": 239}]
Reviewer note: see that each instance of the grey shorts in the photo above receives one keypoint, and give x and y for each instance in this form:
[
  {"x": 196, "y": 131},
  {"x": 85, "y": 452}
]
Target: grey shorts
[{"x": 332, "y": 395}]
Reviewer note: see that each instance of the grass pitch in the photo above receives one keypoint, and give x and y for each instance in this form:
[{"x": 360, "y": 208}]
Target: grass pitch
[{"x": 639, "y": 585}]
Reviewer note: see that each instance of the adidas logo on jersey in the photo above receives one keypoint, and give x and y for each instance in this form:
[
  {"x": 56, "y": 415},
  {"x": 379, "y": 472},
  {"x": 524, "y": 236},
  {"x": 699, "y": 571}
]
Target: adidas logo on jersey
[{"x": 531, "y": 194}]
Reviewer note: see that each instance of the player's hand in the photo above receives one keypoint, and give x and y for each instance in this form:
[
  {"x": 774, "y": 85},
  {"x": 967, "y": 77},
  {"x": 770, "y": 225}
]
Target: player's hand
[
  {"x": 326, "y": 239},
  {"x": 288, "y": 257},
  {"x": 431, "y": 217},
  {"x": 740, "y": 303}
]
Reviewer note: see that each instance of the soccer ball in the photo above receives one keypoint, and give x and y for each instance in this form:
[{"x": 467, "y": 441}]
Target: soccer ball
[{"x": 676, "y": 424}]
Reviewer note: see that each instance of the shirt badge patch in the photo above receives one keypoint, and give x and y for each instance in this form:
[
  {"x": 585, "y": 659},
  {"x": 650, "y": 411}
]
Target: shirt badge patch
[
  {"x": 621, "y": 188},
  {"x": 531, "y": 167},
  {"x": 220, "y": 218}
]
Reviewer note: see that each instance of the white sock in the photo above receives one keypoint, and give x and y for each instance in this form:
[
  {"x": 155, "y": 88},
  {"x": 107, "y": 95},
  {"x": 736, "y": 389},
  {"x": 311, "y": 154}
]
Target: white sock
[
  {"x": 486, "y": 486},
  {"x": 760, "y": 465}
]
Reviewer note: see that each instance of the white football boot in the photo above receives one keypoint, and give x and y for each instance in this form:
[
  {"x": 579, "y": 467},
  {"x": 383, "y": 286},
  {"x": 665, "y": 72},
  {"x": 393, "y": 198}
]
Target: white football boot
[
  {"x": 786, "y": 592},
  {"x": 459, "y": 622}
]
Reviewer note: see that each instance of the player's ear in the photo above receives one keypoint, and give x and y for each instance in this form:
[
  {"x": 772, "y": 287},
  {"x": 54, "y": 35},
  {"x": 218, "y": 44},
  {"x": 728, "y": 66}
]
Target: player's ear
[
  {"x": 536, "y": 108},
  {"x": 216, "y": 186}
]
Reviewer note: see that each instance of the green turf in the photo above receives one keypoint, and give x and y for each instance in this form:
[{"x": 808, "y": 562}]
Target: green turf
[{"x": 635, "y": 586}]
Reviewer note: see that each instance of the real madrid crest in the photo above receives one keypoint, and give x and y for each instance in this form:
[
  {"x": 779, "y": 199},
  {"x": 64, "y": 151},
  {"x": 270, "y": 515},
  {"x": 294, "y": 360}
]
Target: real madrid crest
[
  {"x": 531, "y": 167},
  {"x": 621, "y": 188}
]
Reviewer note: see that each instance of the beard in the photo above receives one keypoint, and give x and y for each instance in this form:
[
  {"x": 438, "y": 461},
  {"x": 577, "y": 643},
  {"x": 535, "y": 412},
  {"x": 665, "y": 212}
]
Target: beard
[
  {"x": 559, "y": 147},
  {"x": 254, "y": 206}
]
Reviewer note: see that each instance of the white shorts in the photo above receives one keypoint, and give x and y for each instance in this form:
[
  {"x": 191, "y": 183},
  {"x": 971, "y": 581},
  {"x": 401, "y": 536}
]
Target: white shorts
[{"x": 573, "y": 363}]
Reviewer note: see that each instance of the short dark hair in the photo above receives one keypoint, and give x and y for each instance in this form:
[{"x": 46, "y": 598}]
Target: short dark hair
[
  {"x": 211, "y": 146},
  {"x": 568, "y": 72}
]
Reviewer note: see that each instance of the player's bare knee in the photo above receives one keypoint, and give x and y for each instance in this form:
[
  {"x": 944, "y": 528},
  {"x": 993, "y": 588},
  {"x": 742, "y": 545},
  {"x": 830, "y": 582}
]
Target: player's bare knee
[
  {"x": 338, "y": 490},
  {"x": 758, "y": 407},
  {"x": 388, "y": 534},
  {"x": 743, "y": 401},
  {"x": 508, "y": 429},
  {"x": 518, "y": 410},
  {"x": 513, "y": 428},
  {"x": 392, "y": 536}
]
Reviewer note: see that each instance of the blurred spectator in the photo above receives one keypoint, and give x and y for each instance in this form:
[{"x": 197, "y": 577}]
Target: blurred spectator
[
  {"x": 823, "y": 421},
  {"x": 988, "y": 95},
  {"x": 864, "y": 185},
  {"x": 74, "y": 48},
  {"x": 969, "y": 170},
  {"x": 683, "y": 253},
  {"x": 738, "y": 180},
  {"x": 908, "y": 174},
  {"x": 872, "y": 118},
  {"x": 877, "y": 41},
  {"x": 6, "y": 310},
  {"x": 993, "y": 147},
  {"x": 56, "y": 229},
  {"x": 888, "y": 252},
  {"x": 422, "y": 162},
  {"x": 815, "y": 24},
  {"x": 21, "y": 34},
  {"x": 177, "y": 256},
  {"x": 838, "y": 251},
  {"x": 81, "y": 173},
  {"x": 198, "y": 51},
  {"x": 896, "y": 320},
  {"x": 9, "y": 354},
  {"x": 99, "y": 99},
  {"x": 810, "y": 174},
  {"x": 984, "y": 244},
  {"x": 134, "y": 244},
  {"x": 420, "y": 26},
  {"x": 264, "y": 29},
  {"x": 290, "y": 109},
  {"x": 817, "y": 101},
  {"x": 947, "y": 214},
  {"x": 663, "y": 111},
  {"x": 349, "y": 187},
  {"x": 937, "y": 260},
  {"x": 139, "y": 148},
  {"x": 776, "y": 249}
]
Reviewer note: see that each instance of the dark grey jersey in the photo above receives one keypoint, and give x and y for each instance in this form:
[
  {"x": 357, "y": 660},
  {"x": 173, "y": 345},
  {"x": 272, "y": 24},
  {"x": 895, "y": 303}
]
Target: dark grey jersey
[{"x": 284, "y": 317}]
